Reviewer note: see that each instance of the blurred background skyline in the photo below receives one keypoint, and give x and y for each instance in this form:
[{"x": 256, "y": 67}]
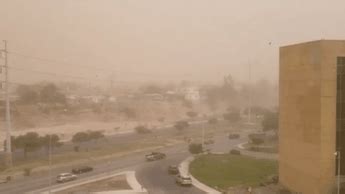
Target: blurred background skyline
[{"x": 152, "y": 40}]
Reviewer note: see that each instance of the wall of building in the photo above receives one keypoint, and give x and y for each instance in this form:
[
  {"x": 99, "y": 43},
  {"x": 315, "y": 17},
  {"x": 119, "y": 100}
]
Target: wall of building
[{"x": 307, "y": 115}]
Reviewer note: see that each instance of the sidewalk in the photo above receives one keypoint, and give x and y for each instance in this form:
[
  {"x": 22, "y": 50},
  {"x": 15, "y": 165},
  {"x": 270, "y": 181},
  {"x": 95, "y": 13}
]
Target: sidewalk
[{"x": 184, "y": 170}]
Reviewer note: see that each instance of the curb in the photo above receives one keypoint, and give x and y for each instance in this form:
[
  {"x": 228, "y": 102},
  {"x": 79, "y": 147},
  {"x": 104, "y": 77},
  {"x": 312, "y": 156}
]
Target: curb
[
  {"x": 184, "y": 169},
  {"x": 241, "y": 145},
  {"x": 130, "y": 178}
]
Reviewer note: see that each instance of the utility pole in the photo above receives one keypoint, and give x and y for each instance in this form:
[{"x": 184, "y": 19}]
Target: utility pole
[
  {"x": 250, "y": 93},
  {"x": 8, "y": 111},
  {"x": 203, "y": 135},
  {"x": 339, "y": 171},
  {"x": 50, "y": 162}
]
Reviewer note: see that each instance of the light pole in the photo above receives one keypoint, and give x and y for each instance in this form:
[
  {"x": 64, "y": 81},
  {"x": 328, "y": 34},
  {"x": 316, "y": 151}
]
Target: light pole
[
  {"x": 50, "y": 162},
  {"x": 337, "y": 155}
]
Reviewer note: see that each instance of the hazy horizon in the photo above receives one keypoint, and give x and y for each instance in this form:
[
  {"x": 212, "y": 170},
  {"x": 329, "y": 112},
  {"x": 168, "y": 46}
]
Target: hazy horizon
[{"x": 197, "y": 40}]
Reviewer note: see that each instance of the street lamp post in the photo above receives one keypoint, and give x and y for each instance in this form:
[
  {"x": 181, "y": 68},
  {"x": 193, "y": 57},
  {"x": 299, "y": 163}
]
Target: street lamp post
[
  {"x": 339, "y": 171},
  {"x": 50, "y": 162}
]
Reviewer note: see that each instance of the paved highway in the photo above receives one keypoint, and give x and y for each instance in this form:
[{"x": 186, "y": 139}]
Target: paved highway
[{"x": 152, "y": 175}]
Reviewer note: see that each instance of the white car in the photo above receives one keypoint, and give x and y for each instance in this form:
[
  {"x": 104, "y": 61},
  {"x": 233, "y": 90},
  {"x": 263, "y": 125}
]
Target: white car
[
  {"x": 65, "y": 177},
  {"x": 183, "y": 180}
]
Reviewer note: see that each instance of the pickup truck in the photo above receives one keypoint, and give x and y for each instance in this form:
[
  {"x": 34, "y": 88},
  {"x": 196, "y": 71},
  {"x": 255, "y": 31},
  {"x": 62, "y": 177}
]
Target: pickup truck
[{"x": 155, "y": 156}]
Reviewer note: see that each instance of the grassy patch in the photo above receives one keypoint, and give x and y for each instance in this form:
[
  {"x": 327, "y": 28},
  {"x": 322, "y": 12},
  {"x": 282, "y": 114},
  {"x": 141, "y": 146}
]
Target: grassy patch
[{"x": 226, "y": 171}]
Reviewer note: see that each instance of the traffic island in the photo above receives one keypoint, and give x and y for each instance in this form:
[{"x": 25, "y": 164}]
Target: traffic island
[{"x": 226, "y": 172}]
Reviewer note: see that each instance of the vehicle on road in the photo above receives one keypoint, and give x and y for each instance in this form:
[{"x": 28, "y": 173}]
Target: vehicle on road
[
  {"x": 82, "y": 169},
  {"x": 5, "y": 179},
  {"x": 65, "y": 177},
  {"x": 173, "y": 169},
  {"x": 183, "y": 180},
  {"x": 234, "y": 136},
  {"x": 155, "y": 156}
]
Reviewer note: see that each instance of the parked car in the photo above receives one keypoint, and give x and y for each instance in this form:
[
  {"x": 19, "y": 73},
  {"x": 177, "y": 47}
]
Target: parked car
[
  {"x": 183, "y": 180},
  {"x": 155, "y": 156},
  {"x": 173, "y": 169},
  {"x": 234, "y": 136},
  {"x": 82, "y": 169},
  {"x": 65, "y": 177}
]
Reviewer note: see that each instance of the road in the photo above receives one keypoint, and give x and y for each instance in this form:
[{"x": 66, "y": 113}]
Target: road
[{"x": 152, "y": 175}]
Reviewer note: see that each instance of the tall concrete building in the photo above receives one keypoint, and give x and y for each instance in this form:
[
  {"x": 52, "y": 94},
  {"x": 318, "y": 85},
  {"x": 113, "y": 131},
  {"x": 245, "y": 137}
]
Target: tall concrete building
[{"x": 312, "y": 115}]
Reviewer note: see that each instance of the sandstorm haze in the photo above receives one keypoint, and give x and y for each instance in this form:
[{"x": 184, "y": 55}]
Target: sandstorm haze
[{"x": 151, "y": 40}]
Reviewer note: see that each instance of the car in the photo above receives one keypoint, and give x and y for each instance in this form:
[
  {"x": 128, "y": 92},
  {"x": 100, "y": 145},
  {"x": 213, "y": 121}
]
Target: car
[
  {"x": 173, "y": 169},
  {"x": 234, "y": 136},
  {"x": 183, "y": 180},
  {"x": 5, "y": 179},
  {"x": 209, "y": 141},
  {"x": 65, "y": 177},
  {"x": 82, "y": 169},
  {"x": 155, "y": 156}
]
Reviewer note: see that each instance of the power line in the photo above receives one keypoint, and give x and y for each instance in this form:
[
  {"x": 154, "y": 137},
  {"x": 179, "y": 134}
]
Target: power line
[
  {"x": 49, "y": 73},
  {"x": 55, "y": 61}
]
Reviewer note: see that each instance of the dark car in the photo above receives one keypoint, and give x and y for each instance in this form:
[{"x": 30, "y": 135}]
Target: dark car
[
  {"x": 155, "y": 156},
  {"x": 234, "y": 136},
  {"x": 173, "y": 169},
  {"x": 82, "y": 169}
]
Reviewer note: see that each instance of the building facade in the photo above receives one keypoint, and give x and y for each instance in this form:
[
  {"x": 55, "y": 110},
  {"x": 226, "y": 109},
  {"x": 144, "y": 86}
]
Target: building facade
[{"x": 311, "y": 123}]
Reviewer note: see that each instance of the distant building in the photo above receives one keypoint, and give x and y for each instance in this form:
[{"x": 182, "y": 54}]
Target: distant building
[
  {"x": 312, "y": 115},
  {"x": 191, "y": 94}
]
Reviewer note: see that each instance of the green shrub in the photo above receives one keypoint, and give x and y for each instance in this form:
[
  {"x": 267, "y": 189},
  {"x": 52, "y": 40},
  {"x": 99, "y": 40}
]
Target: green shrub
[
  {"x": 142, "y": 130},
  {"x": 235, "y": 152},
  {"x": 195, "y": 148}
]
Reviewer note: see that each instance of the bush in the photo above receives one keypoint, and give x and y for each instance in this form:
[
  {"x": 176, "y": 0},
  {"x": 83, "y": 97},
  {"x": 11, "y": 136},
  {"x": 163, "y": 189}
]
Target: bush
[
  {"x": 180, "y": 125},
  {"x": 76, "y": 148},
  {"x": 27, "y": 171},
  {"x": 257, "y": 141},
  {"x": 142, "y": 129},
  {"x": 213, "y": 121},
  {"x": 235, "y": 152},
  {"x": 195, "y": 148}
]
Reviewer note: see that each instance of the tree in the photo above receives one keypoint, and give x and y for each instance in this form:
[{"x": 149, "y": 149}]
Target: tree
[
  {"x": 195, "y": 148},
  {"x": 181, "y": 125},
  {"x": 95, "y": 135},
  {"x": 51, "y": 140},
  {"x": 80, "y": 137},
  {"x": 129, "y": 112},
  {"x": 27, "y": 94},
  {"x": 213, "y": 121},
  {"x": 142, "y": 129},
  {"x": 233, "y": 116},
  {"x": 151, "y": 89},
  {"x": 51, "y": 94},
  {"x": 28, "y": 142},
  {"x": 270, "y": 121},
  {"x": 191, "y": 114}
]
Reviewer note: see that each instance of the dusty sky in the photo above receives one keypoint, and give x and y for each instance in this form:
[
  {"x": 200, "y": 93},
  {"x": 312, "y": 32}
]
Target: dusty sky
[{"x": 165, "y": 40}]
